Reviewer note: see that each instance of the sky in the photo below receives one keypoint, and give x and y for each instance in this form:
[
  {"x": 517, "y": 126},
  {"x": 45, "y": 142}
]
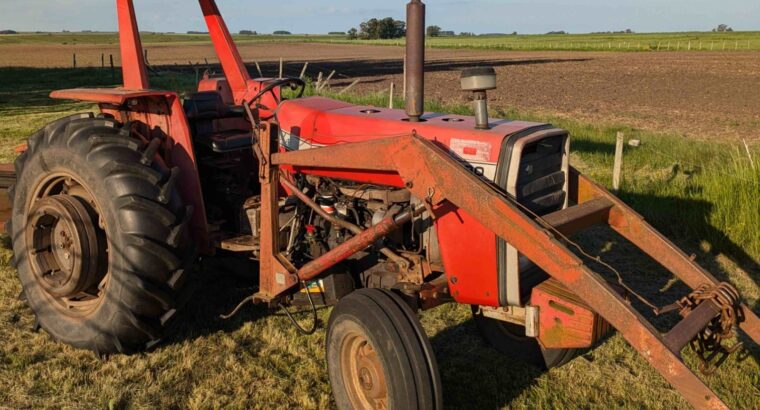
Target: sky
[{"x": 311, "y": 16}]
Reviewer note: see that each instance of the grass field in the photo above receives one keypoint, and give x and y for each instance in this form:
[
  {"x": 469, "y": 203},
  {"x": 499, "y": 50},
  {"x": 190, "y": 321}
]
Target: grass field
[
  {"x": 704, "y": 196},
  {"x": 689, "y": 41}
]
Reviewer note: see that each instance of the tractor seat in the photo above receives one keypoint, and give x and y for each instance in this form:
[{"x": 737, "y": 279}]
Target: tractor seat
[
  {"x": 228, "y": 141},
  {"x": 215, "y": 124}
]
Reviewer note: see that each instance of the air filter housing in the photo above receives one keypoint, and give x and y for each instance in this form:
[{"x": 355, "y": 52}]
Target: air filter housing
[{"x": 479, "y": 80}]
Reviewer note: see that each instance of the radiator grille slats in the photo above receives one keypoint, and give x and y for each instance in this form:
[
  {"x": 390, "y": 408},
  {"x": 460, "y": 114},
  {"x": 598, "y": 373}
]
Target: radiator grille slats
[{"x": 541, "y": 180}]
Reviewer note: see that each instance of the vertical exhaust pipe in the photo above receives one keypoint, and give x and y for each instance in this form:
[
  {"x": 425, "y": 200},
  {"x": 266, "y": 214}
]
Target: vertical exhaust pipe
[{"x": 415, "y": 60}]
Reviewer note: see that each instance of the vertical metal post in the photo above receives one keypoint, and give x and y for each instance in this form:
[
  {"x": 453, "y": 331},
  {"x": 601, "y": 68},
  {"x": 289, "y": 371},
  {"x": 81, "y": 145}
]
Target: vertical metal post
[
  {"x": 132, "y": 60},
  {"x": 229, "y": 56},
  {"x": 415, "y": 60}
]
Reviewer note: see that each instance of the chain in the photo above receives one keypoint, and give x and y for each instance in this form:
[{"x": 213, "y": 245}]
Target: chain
[{"x": 708, "y": 344}]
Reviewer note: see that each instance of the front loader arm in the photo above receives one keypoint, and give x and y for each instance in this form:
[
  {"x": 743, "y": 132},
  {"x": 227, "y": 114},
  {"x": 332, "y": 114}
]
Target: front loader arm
[{"x": 429, "y": 172}]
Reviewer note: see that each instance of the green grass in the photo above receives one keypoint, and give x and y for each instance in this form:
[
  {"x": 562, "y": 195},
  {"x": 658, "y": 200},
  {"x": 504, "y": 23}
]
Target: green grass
[
  {"x": 686, "y": 41},
  {"x": 257, "y": 360}
]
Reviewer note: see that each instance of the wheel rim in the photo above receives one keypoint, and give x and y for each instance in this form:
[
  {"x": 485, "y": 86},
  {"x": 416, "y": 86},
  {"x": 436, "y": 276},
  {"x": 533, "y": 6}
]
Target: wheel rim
[
  {"x": 363, "y": 373},
  {"x": 67, "y": 246}
]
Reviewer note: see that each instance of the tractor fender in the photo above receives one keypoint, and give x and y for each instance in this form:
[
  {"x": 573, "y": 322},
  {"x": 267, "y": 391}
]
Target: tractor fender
[{"x": 162, "y": 115}]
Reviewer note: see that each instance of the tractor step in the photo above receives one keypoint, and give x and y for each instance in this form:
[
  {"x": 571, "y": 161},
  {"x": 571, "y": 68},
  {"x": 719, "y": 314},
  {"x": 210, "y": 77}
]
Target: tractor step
[{"x": 237, "y": 243}]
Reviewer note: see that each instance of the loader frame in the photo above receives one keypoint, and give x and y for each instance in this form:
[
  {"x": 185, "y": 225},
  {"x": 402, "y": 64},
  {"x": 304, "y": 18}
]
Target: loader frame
[{"x": 432, "y": 175}]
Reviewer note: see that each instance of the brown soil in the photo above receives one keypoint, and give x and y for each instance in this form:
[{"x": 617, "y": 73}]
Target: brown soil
[{"x": 700, "y": 95}]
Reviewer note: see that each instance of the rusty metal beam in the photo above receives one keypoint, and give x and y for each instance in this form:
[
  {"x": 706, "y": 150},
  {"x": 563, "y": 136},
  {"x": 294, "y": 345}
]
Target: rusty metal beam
[
  {"x": 356, "y": 244},
  {"x": 576, "y": 218},
  {"x": 430, "y": 172},
  {"x": 683, "y": 333},
  {"x": 634, "y": 227}
]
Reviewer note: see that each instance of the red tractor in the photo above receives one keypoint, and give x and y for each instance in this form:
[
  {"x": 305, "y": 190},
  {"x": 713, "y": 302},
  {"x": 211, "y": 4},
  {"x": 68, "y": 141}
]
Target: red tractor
[{"x": 380, "y": 212}]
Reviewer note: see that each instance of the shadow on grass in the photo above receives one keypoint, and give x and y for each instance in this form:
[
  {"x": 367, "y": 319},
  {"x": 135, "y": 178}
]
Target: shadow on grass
[
  {"x": 685, "y": 221},
  {"x": 475, "y": 376}
]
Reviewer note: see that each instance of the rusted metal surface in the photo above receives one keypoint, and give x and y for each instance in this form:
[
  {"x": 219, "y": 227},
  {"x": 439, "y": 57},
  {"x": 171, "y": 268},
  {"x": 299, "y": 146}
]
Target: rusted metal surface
[
  {"x": 403, "y": 263},
  {"x": 722, "y": 301},
  {"x": 276, "y": 275},
  {"x": 633, "y": 227},
  {"x": 565, "y": 321},
  {"x": 579, "y": 217},
  {"x": 688, "y": 328},
  {"x": 239, "y": 243},
  {"x": 434, "y": 294},
  {"x": 429, "y": 172},
  {"x": 115, "y": 96},
  {"x": 7, "y": 179},
  {"x": 363, "y": 373},
  {"x": 415, "y": 60},
  {"x": 356, "y": 244}
]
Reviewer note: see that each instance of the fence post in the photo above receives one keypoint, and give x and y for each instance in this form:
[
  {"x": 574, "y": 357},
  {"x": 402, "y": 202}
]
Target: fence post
[
  {"x": 282, "y": 68},
  {"x": 618, "y": 167},
  {"x": 390, "y": 98},
  {"x": 404, "y": 77},
  {"x": 113, "y": 69},
  {"x": 303, "y": 71},
  {"x": 350, "y": 86},
  {"x": 102, "y": 60},
  {"x": 75, "y": 60}
]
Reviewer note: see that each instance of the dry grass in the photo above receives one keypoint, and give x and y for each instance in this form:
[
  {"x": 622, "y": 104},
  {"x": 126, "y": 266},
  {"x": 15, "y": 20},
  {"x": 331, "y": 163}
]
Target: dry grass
[{"x": 257, "y": 360}]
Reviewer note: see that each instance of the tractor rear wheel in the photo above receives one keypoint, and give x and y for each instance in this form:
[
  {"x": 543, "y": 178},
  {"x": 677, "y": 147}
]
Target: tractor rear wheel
[
  {"x": 378, "y": 355},
  {"x": 510, "y": 340},
  {"x": 99, "y": 235}
]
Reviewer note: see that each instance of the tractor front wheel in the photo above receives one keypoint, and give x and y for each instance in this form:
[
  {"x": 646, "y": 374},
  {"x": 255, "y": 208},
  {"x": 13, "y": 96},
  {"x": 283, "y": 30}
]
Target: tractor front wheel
[
  {"x": 510, "y": 339},
  {"x": 378, "y": 355},
  {"x": 99, "y": 235}
]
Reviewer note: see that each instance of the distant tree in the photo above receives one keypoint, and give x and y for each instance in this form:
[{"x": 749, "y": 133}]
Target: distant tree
[
  {"x": 386, "y": 28},
  {"x": 557, "y": 32},
  {"x": 8, "y": 32},
  {"x": 434, "y": 31},
  {"x": 248, "y": 33},
  {"x": 353, "y": 34},
  {"x": 197, "y": 32},
  {"x": 336, "y": 33},
  {"x": 514, "y": 33},
  {"x": 723, "y": 28},
  {"x": 447, "y": 33},
  {"x": 467, "y": 34},
  {"x": 282, "y": 33}
]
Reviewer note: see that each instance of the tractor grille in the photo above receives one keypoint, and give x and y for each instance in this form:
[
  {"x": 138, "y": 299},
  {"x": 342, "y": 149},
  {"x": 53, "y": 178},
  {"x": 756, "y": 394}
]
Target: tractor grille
[{"x": 541, "y": 179}]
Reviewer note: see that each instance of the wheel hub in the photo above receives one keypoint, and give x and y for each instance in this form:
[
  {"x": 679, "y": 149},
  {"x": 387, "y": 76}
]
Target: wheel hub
[
  {"x": 363, "y": 373},
  {"x": 63, "y": 245}
]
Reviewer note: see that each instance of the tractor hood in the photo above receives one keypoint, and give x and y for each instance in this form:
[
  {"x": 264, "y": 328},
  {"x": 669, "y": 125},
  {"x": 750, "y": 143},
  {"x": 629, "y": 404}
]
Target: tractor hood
[{"x": 316, "y": 122}]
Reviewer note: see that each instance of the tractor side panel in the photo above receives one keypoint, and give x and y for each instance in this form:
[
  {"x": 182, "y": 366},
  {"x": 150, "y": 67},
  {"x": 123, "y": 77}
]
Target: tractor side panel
[{"x": 468, "y": 250}]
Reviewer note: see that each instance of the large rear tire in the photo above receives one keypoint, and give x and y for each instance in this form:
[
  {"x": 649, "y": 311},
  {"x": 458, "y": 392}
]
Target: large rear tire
[
  {"x": 510, "y": 340},
  {"x": 99, "y": 235},
  {"x": 378, "y": 355}
]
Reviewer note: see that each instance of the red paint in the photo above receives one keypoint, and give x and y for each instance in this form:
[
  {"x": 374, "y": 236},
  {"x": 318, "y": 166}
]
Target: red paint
[
  {"x": 132, "y": 58},
  {"x": 468, "y": 248}
]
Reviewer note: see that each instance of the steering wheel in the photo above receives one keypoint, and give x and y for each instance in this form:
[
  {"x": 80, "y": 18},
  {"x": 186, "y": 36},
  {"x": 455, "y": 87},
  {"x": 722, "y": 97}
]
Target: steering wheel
[{"x": 293, "y": 82}]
